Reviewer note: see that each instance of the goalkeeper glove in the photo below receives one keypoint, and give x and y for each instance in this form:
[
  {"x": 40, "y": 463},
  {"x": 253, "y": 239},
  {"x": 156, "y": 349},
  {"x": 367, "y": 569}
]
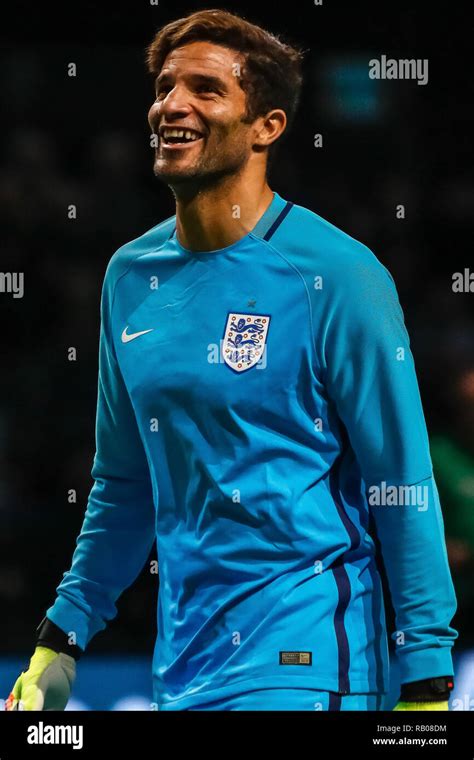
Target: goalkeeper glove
[
  {"x": 421, "y": 706},
  {"x": 429, "y": 694},
  {"x": 47, "y": 682}
]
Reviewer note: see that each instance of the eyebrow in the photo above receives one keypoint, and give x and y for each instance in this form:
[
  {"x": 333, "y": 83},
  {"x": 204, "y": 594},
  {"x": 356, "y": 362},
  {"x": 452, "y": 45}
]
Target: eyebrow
[{"x": 215, "y": 81}]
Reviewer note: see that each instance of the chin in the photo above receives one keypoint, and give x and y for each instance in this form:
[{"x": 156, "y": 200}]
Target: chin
[
  {"x": 194, "y": 178},
  {"x": 172, "y": 177}
]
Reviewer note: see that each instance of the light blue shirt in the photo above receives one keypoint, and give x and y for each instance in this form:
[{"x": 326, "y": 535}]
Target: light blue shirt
[{"x": 256, "y": 405}]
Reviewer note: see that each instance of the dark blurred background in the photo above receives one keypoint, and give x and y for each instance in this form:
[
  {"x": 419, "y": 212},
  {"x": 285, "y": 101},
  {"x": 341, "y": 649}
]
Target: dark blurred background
[{"x": 84, "y": 140}]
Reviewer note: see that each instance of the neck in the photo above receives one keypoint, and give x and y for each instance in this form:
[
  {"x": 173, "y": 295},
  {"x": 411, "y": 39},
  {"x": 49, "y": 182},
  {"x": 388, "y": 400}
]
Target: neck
[{"x": 216, "y": 217}]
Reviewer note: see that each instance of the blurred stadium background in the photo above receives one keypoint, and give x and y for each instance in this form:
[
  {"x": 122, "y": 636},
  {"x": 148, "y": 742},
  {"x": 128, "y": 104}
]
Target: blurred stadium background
[{"x": 85, "y": 141}]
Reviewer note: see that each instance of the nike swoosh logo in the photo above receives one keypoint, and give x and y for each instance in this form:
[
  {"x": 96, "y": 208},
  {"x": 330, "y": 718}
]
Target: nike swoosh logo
[{"x": 126, "y": 337}]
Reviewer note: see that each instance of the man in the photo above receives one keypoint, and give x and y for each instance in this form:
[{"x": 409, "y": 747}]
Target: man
[{"x": 257, "y": 403}]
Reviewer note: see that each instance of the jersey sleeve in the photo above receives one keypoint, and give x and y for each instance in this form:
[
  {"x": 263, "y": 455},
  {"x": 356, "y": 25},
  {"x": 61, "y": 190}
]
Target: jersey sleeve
[
  {"x": 371, "y": 378},
  {"x": 118, "y": 532}
]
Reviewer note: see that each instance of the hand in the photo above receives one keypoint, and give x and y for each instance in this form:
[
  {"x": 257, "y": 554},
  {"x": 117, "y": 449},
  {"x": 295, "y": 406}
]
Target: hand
[
  {"x": 421, "y": 706},
  {"x": 47, "y": 683}
]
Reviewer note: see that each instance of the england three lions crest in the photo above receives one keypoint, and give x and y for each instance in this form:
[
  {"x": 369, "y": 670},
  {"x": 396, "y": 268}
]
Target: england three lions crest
[{"x": 244, "y": 340}]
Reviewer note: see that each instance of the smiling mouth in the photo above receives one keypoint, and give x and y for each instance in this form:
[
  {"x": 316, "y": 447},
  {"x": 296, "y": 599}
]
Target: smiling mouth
[
  {"x": 178, "y": 145},
  {"x": 172, "y": 139}
]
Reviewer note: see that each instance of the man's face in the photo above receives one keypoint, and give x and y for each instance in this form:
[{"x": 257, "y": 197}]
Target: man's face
[{"x": 198, "y": 90}]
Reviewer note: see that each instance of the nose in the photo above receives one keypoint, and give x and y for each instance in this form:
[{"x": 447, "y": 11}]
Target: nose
[{"x": 173, "y": 106}]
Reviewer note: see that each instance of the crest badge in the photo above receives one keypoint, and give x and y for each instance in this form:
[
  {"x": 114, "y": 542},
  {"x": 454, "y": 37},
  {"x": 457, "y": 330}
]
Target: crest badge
[{"x": 244, "y": 340}]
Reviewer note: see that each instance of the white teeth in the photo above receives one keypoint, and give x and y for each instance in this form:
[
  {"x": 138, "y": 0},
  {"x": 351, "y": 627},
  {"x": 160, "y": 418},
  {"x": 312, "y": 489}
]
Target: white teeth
[{"x": 180, "y": 133}]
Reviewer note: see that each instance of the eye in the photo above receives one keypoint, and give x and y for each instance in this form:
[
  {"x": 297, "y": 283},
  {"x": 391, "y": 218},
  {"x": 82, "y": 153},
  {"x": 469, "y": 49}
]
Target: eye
[{"x": 164, "y": 88}]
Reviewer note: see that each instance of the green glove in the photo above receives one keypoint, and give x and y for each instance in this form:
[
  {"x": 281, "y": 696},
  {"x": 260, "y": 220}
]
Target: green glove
[
  {"x": 421, "y": 706},
  {"x": 47, "y": 683}
]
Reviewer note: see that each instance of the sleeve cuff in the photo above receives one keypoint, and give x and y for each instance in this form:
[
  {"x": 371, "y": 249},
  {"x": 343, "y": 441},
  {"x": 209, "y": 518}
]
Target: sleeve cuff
[
  {"x": 50, "y": 635},
  {"x": 71, "y": 619},
  {"x": 425, "y": 663}
]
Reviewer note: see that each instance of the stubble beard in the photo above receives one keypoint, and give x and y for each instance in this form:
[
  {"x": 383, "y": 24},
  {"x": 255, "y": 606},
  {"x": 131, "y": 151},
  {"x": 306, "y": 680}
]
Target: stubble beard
[{"x": 204, "y": 174}]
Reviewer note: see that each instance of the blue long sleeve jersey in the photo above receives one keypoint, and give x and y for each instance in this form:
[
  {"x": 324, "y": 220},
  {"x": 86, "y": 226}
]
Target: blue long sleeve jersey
[{"x": 256, "y": 404}]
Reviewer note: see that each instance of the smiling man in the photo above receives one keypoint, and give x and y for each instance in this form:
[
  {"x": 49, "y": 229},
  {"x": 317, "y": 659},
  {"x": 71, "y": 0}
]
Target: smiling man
[
  {"x": 211, "y": 151},
  {"x": 256, "y": 385}
]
